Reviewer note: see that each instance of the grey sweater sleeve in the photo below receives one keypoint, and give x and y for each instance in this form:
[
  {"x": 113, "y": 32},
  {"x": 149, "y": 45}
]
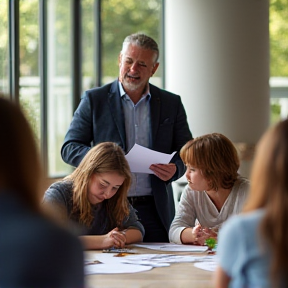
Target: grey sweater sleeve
[
  {"x": 132, "y": 221},
  {"x": 58, "y": 200},
  {"x": 185, "y": 217}
]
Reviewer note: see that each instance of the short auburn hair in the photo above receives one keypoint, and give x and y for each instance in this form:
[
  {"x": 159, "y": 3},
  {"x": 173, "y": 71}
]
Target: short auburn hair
[{"x": 216, "y": 156}]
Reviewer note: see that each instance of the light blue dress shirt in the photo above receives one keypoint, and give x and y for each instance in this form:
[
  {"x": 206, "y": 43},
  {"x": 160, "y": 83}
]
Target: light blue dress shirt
[{"x": 138, "y": 127}]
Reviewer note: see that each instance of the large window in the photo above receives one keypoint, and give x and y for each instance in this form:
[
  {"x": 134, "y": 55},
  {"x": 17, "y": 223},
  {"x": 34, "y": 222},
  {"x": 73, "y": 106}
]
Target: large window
[
  {"x": 61, "y": 48},
  {"x": 4, "y": 48},
  {"x": 121, "y": 18},
  {"x": 89, "y": 30},
  {"x": 51, "y": 51},
  {"x": 59, "y": 81},
  {"x": 279, "y": 59},
  {"x": 29, "y": 82}
]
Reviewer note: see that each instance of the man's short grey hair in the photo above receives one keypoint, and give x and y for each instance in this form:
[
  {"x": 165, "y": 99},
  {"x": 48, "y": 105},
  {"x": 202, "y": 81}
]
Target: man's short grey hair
[{"x": 143, "y": 41}]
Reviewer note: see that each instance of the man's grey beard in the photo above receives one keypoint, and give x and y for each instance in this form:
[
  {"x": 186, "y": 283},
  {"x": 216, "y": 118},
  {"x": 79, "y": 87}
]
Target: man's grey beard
[{"x": 131, "y": 86}]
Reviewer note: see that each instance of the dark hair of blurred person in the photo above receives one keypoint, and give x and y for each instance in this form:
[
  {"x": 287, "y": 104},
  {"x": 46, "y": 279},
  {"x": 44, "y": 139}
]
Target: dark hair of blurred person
[{"x": 35, "y": 252}]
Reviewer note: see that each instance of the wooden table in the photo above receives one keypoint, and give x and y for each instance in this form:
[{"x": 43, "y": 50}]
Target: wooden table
[{"x": 177, "y": 275}]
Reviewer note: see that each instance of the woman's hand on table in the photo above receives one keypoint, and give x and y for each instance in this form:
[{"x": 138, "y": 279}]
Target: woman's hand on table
[
  {"x": 201, "y": 234},
  {"x": 197, "y": 235},
  {"x": 115, "y": 238}
]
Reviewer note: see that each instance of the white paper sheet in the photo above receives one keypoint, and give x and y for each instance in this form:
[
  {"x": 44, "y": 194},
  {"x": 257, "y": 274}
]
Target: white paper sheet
[
  {"x": 141, "y": 158},
  {"x": 111, "y": 265},
  {"x": 172, "y": 247},
  {"x": 161, "y": 260},
  {"x": 115, "y": 268},
  {"x": 207, "y": 265}
]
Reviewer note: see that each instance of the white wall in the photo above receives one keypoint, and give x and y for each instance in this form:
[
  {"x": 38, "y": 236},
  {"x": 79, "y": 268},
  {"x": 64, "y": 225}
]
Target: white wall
[{"x": 217, "y": 59}]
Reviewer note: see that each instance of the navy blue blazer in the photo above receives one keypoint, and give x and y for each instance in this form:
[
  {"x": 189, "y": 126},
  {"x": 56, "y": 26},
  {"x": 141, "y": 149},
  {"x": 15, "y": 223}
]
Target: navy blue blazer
[{"x": 99, "y": 118}]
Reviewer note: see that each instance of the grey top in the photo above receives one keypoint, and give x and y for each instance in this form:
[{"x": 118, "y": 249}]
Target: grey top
[
  {"x": 60, "y": 195},
  {"x": 197, "y": 205}
]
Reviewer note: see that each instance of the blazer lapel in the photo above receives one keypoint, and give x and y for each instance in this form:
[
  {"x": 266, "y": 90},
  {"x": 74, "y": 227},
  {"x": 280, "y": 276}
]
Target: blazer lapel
[{"x": 114, "y": 102}]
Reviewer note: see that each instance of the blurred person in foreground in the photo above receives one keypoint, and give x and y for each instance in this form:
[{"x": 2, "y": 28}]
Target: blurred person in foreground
[
  {"x": 131, "y": 110},
  {"x": 214, "y": 192},
  {"x": 93, "y": 199},
  {"x": 252, "y": 248},
  {"x": 34, "y": 251}
]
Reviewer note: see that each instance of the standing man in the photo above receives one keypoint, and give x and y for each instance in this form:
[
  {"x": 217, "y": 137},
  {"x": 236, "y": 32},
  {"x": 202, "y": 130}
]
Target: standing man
[{"x": 130, "y": 110}]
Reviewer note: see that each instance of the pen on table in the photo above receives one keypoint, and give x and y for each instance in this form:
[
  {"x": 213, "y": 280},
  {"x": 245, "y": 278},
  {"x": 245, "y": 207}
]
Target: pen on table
[{"x": 89, "y": 262}]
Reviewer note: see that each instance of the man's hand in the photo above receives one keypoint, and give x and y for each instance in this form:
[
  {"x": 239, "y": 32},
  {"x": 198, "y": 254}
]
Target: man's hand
[{"x": 164, "y": 171}]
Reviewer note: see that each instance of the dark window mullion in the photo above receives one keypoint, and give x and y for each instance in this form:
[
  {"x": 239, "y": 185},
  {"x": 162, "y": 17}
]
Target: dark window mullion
[
  {"x": 76, "y": 52},
  {"x": 162, "y": 36},
  {"x": 98, "y": 44},
  {"x": 43, "y": 82},
  {"x": 14, "y": 37}
]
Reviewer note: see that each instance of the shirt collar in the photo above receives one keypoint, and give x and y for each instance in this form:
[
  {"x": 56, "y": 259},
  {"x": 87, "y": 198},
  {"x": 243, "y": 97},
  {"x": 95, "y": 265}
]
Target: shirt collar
[{"x": 123, "y": 93}]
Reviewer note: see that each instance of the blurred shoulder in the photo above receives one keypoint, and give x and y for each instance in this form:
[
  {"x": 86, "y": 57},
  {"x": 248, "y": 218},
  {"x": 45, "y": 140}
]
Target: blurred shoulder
[{"x": 243, "y": 222}]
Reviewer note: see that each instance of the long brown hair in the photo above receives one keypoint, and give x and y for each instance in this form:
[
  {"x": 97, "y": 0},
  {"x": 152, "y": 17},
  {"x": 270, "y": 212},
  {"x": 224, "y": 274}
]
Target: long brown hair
[
  {"x": 20, "y": 168},
  {"x": 103, "y": 158},
  {"x": 215, "y": 155},
  {"x": 269, "y": 190}
]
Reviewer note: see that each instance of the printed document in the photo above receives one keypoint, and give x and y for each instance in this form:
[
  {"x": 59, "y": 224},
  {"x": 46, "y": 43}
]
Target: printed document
[{"x": 141, "y": 158}]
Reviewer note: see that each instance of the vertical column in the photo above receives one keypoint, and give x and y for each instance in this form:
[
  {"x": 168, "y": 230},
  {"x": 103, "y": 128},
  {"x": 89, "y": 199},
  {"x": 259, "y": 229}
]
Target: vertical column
[{"x": 217, "y": 59}]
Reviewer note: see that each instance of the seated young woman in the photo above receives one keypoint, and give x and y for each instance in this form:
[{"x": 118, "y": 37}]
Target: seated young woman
[
  {"x": 214, "y": 192},
  {"x": 252, "y": 248},
  {"x": 95, "y": 197}
]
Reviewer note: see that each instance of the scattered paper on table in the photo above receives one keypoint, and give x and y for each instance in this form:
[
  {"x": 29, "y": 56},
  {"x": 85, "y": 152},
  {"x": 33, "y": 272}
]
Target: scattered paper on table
[
  {"x": 107, "y": 263},
  {"x": 160, "y": 260},
  {"x": 172, "y": 247},
  {"x": 141, "y": 158},
  {"x": 111, "y": 265}
]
